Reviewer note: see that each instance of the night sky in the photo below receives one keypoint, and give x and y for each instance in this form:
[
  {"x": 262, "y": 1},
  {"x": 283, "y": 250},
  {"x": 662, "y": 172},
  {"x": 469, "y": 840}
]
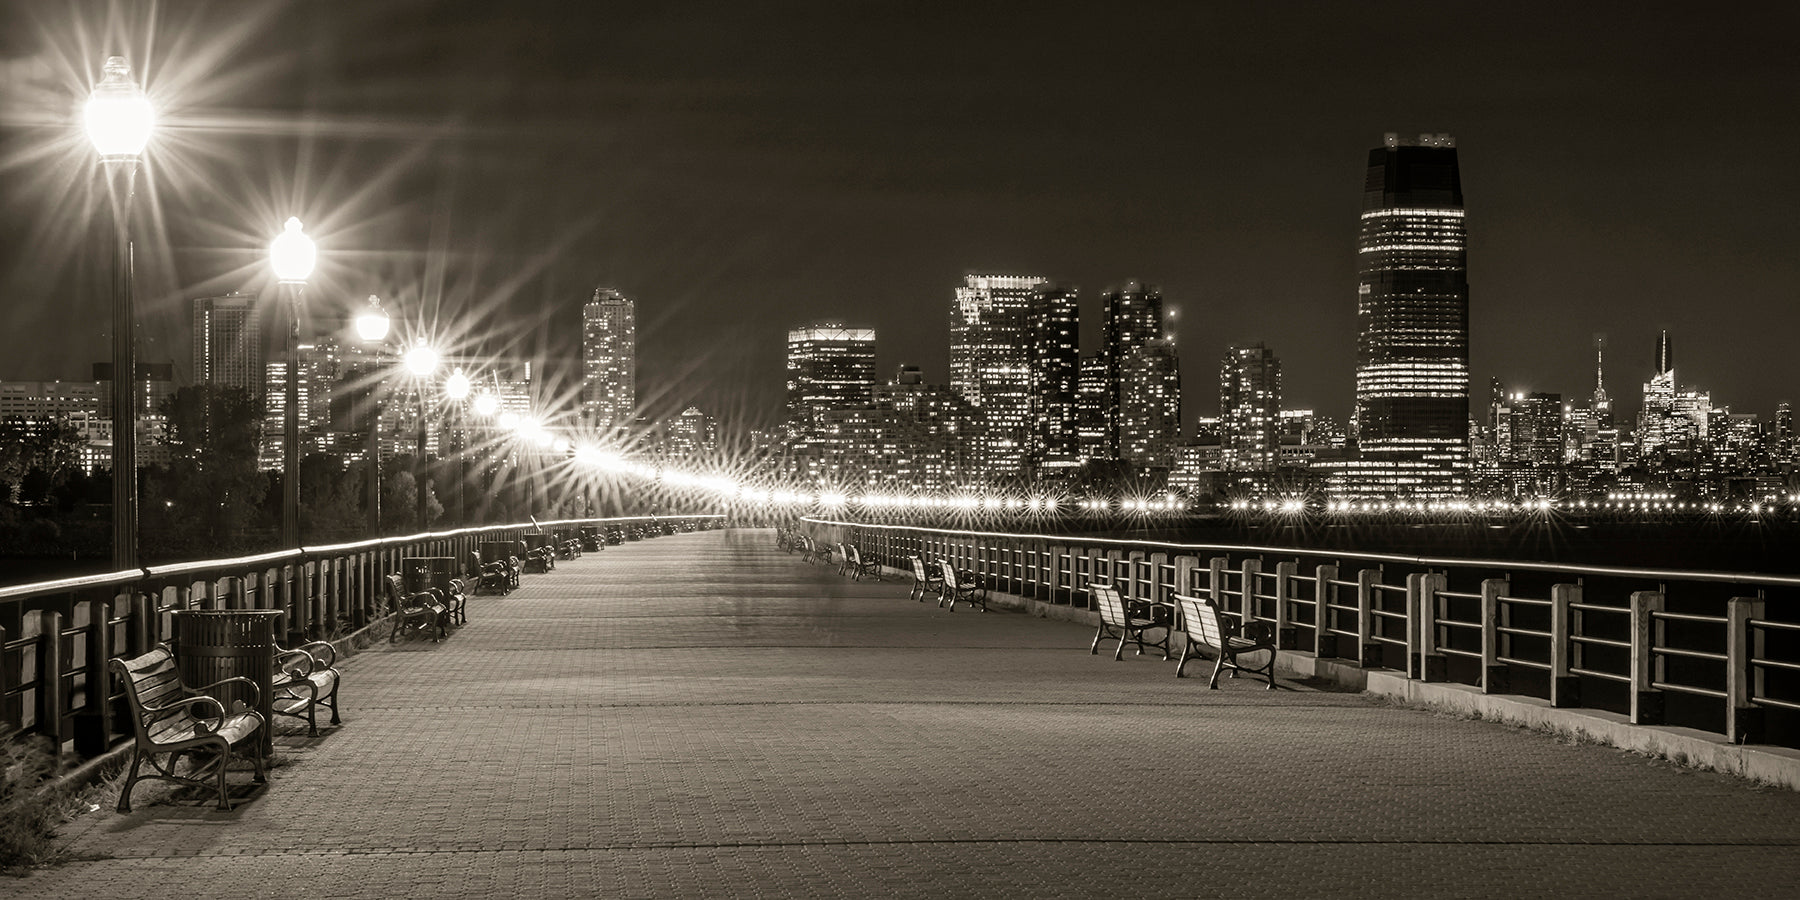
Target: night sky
[{"x": 742, "y": 168}]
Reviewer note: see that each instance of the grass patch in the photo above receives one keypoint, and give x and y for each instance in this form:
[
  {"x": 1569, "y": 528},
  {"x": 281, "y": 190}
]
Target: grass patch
[{"x": 34, "y": 803}]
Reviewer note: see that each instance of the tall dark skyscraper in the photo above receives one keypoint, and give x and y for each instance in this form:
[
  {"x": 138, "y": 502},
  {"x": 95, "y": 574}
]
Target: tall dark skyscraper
[
  {"x": 1142, "y": 372},
  {"x": 1412, "y": 364}
]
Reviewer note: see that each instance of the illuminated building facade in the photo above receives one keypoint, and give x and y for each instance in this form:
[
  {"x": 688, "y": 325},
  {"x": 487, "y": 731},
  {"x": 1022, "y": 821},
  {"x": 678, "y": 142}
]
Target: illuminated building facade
[
  {"x": 228, "y": 347},
  {"x": 1250, "y": 408},
  {"x": 1412, "y": 372},
  {"x": 608, "y": 362},
  {"x": 991, "y": 365},
  {"x": 829, "y": 366},
  {"x": 1055, "y": 371}
]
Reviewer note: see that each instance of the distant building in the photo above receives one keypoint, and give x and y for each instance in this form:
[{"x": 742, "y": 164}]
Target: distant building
[
  {"x": 1093, "y": 408},
  {"x": 1671, "y": 421},
  {"x": 1250, "y": 407},
  {"x": 1149, "y": 404},
  {"x": 991, "y": 365},
  {"x": 690, "y": 435},
  {"x": 829, "y": 366},
  {"x": 608, "y": 362},
  {"x": 1054, "y": 322},
  {"x": 228, "y": 346},
  {"x": 1412, "y": 370}
]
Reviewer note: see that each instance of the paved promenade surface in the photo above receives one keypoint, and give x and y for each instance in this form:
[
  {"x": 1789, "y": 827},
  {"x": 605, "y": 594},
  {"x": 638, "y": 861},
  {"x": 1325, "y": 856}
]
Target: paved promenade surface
[{"x": 704, "y": 715}]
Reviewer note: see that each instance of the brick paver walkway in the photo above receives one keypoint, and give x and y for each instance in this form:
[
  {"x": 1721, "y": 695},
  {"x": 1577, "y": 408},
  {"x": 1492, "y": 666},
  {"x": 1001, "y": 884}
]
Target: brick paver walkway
[{"x": 703, "y": 715}]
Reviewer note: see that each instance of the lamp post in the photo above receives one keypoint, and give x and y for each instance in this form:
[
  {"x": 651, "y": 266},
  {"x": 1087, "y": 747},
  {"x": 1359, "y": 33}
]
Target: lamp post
[
  {"x": 292, "y": 253},
  {"x": 457, "y": 388},
  {"x": 119, "y": 121},
  {"x": 372, "y": 327},
  {"x": 421, "y": 361}
]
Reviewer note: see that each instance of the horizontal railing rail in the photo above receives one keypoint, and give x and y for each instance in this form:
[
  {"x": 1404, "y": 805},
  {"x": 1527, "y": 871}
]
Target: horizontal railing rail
[
  {"x": 56, "y": 636},
  {"x": 1663, "y": 646}
]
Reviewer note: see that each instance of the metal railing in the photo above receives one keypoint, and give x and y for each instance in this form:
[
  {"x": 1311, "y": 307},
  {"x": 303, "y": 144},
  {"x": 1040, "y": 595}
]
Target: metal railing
[
  {"x": 56, "y": 636},
  {"x": 1693, "y": 648}
]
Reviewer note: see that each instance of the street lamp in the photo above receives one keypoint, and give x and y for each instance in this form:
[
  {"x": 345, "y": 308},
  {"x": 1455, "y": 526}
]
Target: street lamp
[
  {"x": 372, "y": 327},
  {"x": 119, "y": 121},
  {"x": 292, "y": 253}
]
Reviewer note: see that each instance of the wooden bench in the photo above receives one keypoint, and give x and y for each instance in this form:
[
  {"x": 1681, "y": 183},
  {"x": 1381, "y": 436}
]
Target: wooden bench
[
  {"x": 962, "y": 586},
  {"x": 500, "y": 575},
  {"x": 925, "y": 581},
  {"x": 306, "y": 678},
  {"x": 540, "y": 559},
  {"x": 416, "y": 613},
  {"x": 169, "y": 717},
  {"x": 1205, "y": 627},
  {"x": 858, "y": 568},
  {"x": 1119, "y": 621}
]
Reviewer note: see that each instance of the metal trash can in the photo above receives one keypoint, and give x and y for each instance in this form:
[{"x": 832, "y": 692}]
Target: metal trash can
[
  {"x": 215, "y": 644},
  {"x": 423, "y": 573},
  {"x": 500, "y": 551}
]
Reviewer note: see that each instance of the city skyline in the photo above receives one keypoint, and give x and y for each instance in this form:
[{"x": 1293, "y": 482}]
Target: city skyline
[{"x": 1623, "y": 178}]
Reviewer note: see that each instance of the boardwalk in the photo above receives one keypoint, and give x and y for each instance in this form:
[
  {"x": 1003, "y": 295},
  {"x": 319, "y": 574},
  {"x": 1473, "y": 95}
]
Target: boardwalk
[{"x": 703, "y": 715}]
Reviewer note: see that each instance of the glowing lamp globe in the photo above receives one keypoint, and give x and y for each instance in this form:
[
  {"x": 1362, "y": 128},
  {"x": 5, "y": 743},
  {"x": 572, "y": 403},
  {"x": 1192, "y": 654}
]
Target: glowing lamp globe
[
  {"x": 457, "y": 386},
  {"x": 372, "y": 323},
  {"x": 421, "y": 360},
  {"x": 119, "y": 116},
  {"x": 293, "y": 254},
  {"x": 487, "y": 404}
]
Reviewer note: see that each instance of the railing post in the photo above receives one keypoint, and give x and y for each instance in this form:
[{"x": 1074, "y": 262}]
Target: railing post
[
  {"x": 1646, "y": 666},
  {"x": 1422, "y": 599},
  {"x": 1285, "y": 638},
  {"x": 1155, "y": 592},
  {"x": 1565, "y": 689},
  {"x": 143, "y": 622},
  {"x": 50, "y": 677},
  {"x": 1324, "y": 642},
  {"x": 1247, "y": 589},
  {"x": 1368, "y": 652},
  {"x": 93, "y": 725},
  {"x": 1743, "y": 718},
  {"x": 1495, "y": 675}
]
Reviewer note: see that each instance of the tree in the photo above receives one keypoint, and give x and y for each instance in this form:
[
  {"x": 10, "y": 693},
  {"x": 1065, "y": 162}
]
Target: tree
[{"x": 212, "y": 484}]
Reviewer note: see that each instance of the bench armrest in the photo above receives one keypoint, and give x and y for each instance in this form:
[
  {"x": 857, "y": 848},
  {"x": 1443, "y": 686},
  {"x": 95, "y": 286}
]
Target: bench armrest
[
  {"x": 322, "y": 652},
  {"x": 255, "y": 691},
  {"x": 297, "y": 663}
]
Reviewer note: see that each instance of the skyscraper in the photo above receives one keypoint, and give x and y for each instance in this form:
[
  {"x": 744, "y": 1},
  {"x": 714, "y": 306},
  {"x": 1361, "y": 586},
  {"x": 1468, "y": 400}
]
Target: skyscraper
[
  {"x": 608, "y": 361},
  {"x": 991, "y": 363},
  {"x": 1250, "y": 408},
  {"x": 829, "y": 367},
  {"x": 1143, "y": 376},
  {"x": 1149, "y": 404},
  {"x": 1412, "y": 371},
  {"x": 1055, "y": 369},
  {"x": 228, "y": 347}
]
